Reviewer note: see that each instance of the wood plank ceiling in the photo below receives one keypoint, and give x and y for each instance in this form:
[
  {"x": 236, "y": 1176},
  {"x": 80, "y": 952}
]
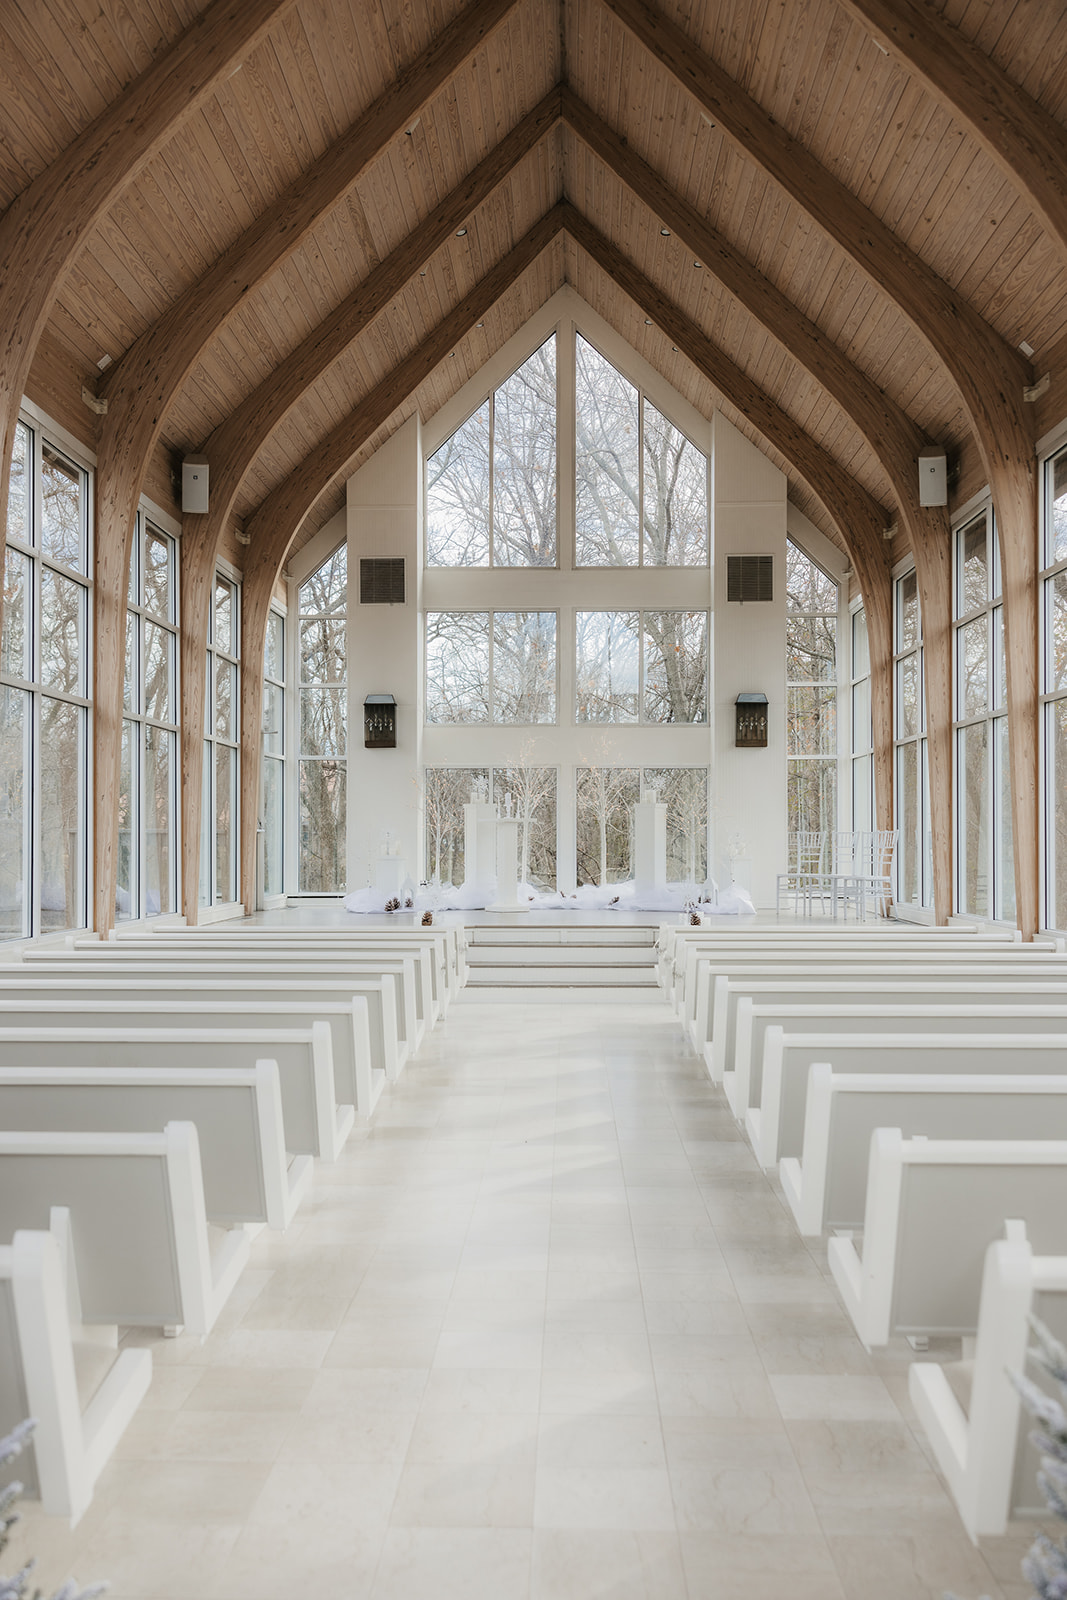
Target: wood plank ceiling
[{"x": 817, "y": 69}]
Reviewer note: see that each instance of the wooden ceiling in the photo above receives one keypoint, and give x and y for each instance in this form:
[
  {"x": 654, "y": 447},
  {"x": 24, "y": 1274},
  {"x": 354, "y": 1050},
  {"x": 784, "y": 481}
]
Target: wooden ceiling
[{"x": 818, "y": 70}]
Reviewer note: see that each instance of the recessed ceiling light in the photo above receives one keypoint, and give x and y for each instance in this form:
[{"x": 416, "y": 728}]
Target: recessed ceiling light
[
  {"x": 461, "y": 233},
  {"x": 479, "y": 324},
  {"x": 666, "y": 232},
  {"x": 422, "y": 274},
  {"x": 648, "y": 322},
  {"x": 696, "y": 263},
  {"x": 674, "y": 347}
]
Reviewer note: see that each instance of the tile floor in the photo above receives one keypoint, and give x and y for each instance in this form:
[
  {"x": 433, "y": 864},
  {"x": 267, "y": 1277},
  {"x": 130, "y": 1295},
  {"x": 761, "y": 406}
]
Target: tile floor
[{"x": 544, "y": 1333}]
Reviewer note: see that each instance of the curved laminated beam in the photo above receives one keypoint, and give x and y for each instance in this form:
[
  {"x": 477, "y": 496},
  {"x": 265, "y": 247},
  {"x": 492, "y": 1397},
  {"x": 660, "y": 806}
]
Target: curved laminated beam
[
  {"x": 233, "y": 447},
  {"x": 988, "y": 374},
  {"x": 857, "y": 516},
  {"x": 892, "y": 437},
  {"x": 276, "y": 522},
  {"x": 44, "y": 228},
  {"x": 236, "y": 443},
  {"x": 143, "y": 385},
  {"x": 1025, "y": 141}
]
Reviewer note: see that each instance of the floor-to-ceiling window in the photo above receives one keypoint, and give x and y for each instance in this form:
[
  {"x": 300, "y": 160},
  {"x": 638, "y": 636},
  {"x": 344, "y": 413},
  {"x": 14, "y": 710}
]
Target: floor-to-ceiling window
[
  {"x": 45, "y": 648},
  {"x": 811, "y": 689},
  {"x": 578, "y": 672},
  {"x": 219, "y": 815},
  {"x": 985, "y": 876},
  {"x": 322, "y": 710},
  {"x": 914, "y": 868},
  {"x": 146, "y": 884},
  {"x": 1054, "y": 686},
  {"x": 862, "y": 726},
  {"x": 272, "y": 816}
]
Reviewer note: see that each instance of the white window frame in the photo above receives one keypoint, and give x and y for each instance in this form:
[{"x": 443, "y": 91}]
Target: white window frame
[
  {"x": 210, "y": 898},
  {"x": 134, "y": 714},
  {"x": 1051, "y": 450}
]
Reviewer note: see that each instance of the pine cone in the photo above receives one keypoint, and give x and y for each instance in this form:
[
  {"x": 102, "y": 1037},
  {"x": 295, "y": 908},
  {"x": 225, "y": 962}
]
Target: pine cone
[
  {"x": 408, "y": 903},
  {"x": 392, "y": 905},
  {"x": 695, "y": 919},
  {"x": 427, "y": 919}
]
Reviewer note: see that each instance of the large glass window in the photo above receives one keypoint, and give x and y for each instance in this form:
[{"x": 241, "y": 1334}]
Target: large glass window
[
  {"x": 218, "y": 816},
  {"x": 491, "y": 487},
  {"x": 491, "y": 666},
  {"x": 914, "y": 866},
  {"x": 323, "y": 709},
  {"x": 606, "y": 797},
  {"x": 272, "y": 814},
  {"x": 641, "y": 491},
  {"x": 1054, "y": 686},
  {"x": 811, "y": 678},
  {"x": 641, "y": 666},
  {"x": 526, "y": 792},
  {"x": 44, "y": 693},
  {"x": 862, "y": 727},
  {"x": 148, "y": 859},
  {"x": 985, "y": 876}
]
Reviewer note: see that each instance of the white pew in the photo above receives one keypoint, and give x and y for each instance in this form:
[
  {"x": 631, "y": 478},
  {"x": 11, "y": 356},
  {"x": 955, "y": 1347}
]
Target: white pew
[
  {"x": 237, "y": 1111},
  {"x": 981, "y": 1444},
  {"x": 453, "y": 937},
  {"x": 826, "y": 1187},
  {"x": 38, "y": 1378},
  {"x": 362, "y": 1017},
  {"x": 933, "y": 1208},
  {"x": 345, "y": 975},
  {"x": 692, "y": 954},
  {"x": 776, "y": 1126},
  {"x": 743, "y": 1085},
  {"x": 313, "y": 1123},
  {"x": 833, "y": 988},
  {"x": 1015, "y": 962},
  {"x": 144, "y": 1255},
  {"x": 443, "y": 965}
]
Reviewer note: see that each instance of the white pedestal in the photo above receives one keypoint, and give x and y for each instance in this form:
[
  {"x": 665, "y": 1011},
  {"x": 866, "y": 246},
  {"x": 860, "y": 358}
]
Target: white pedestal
[
  {"x": 650, "y": 844},
  {"x": 507, "y": 867},
  {"x": 479, "y": 847},
  {"x": 390, "y": 875},
  {"x": 741, "y": 873}
]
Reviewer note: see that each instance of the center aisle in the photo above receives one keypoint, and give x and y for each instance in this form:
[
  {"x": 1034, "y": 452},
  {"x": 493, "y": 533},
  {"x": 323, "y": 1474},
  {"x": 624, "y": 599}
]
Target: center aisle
[{"x": 544, "y": 1333}]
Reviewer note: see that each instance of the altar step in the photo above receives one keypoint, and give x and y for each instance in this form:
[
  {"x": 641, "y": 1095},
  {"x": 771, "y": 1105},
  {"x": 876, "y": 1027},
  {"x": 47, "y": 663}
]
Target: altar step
[{"x": 560, "y": 963}]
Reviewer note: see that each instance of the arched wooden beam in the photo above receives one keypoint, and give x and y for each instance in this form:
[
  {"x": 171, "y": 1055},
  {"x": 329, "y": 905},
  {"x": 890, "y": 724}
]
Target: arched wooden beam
[
  {"x": 858, "y": 517},
  {"x": 988, "y": 374},
  {"x": 892, "y": 437},
  {"x": 1025, "y": 141},
  {"x": 233, "y": 447},
  {"x": 142, "y": 386},
  {"x": 276, "y": 522},
  {"x": 43, "y": 229}
]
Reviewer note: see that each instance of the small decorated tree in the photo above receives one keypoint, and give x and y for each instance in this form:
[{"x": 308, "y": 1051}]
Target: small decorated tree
[{"x": 15, "y": 1588}]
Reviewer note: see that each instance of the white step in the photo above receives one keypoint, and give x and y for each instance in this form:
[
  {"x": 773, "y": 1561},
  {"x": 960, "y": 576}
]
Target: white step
[
  {"x": 644, "y": 938},
  {"x": 546, "y": 994},
  {"x": 563, "y": 977},
  {"x": 575, "y": 956}
]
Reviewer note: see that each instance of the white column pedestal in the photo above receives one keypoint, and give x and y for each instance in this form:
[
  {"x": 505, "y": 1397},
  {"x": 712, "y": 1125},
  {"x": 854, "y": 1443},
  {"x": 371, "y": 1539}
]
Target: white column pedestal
[
  {"x": 507, "y": 867},
  {"x": 650, "y": 845},
  {"x": 479, "y": 847},
  {"x": 390, "y": 875}
]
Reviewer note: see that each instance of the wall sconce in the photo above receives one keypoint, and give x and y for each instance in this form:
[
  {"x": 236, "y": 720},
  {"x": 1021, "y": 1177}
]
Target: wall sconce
[
  {"x": 379, "y": 722},
  {"x": 750, "y": 727}
]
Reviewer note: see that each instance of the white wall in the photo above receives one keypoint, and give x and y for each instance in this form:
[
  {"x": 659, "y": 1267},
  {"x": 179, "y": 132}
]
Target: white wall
[
  {"x": 749, "y": 512},
  {"x": 384, "y": 657}
]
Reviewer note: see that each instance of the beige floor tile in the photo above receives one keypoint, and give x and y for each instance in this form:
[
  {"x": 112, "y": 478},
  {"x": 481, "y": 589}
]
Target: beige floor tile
[
  {"x": 576, "y": 1564},
  {"x": 726, "y": 1567},
  {"x": 840, "y": 1398},
  {"x": 454, "y": 1564}
]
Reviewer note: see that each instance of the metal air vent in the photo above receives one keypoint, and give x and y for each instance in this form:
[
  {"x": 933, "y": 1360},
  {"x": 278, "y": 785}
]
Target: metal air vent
[
  {"x": 750, "y": 578},
  {"x": 381, "y": 581}
]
